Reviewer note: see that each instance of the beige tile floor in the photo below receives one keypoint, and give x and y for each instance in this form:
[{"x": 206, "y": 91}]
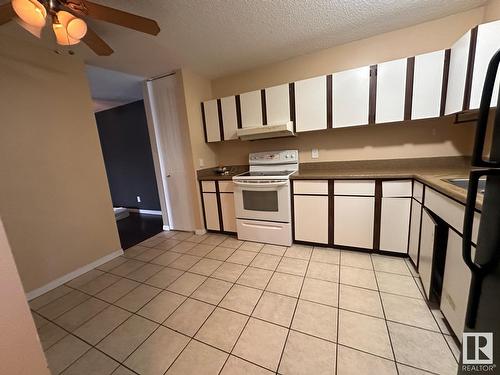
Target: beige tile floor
[{"x": 185, "y": 304}]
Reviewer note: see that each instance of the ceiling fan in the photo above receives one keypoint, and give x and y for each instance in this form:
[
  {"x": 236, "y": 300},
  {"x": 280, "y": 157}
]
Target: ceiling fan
[{"x": 67, "y": 19}]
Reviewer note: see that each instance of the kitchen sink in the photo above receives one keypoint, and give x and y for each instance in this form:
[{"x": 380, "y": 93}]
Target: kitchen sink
[{"x": 464, "y": 183}]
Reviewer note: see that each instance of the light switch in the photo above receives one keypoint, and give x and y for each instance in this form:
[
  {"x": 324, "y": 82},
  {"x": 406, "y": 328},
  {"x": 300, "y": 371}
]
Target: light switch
[
  {"x": 201, "y": 162},
  {"x": 315, "y": 153}
]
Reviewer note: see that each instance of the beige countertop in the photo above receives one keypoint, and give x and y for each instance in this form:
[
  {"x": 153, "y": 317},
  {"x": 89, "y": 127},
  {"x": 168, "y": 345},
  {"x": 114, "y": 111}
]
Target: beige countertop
[{"x": 430, "y": 171}]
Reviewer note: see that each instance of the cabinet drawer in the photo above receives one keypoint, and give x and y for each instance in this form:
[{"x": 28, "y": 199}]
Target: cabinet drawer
[
  {"x": 396, "y": 189},
  {"x": 354, "y": 187},
  {"x": 311, "y": 187},
  {"x": 208, "y": 186},
  {"x": 450, "y": 211},
  {"x": 418, "y": 191},
  {"x": 226, "y": 186}
]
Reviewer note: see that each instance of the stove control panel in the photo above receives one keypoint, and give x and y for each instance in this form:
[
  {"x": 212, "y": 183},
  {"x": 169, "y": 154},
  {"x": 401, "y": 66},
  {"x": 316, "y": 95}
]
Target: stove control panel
[{"x": 274, "y": 157}]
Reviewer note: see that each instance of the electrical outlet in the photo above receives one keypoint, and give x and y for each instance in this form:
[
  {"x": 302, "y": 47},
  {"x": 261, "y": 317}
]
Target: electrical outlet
[
  {"x": 138, "y": 199},
  {"x": 201, "y": 162},
  {"x": 315, "y": 153}
]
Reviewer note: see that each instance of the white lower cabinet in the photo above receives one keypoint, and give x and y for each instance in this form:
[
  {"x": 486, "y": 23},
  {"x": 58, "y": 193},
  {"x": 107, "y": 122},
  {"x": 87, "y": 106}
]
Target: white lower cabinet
[
  {"x": 456, "y": 283},
  {"x": 211, "y": 211},
  {"x": 354, "y": 221},
  {"x": 311, "y": 218},
  {"x": 228, "y": 214},
  {"x": 427, "y": 240},
  {"x": 394, "y": 224},
  {"x": 416, "y": 214}
]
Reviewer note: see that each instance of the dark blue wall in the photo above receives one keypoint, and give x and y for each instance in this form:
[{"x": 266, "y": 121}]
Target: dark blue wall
[{"x": 123, "y": 132}]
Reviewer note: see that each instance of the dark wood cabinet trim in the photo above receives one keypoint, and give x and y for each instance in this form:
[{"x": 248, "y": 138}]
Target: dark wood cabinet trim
[
  {"x": 264, "y": 106},
  {"x": 329, "y": 111},
  {"x": 331, "y": 212},
  {"x": 238, "y": 111},
  {"x": 291, "y": 98},
  {"x": 372, "y": 107},
  {"x": 377, "y": 215},
  {"x": 221, "y": 122},
  {"x": 446, "y": 75},
  {"x": 219, "y": 206},
  {"x": 470, "y": 68},
  {"x": 410, "y": 70},
  {"x": 204, "y": 121}
]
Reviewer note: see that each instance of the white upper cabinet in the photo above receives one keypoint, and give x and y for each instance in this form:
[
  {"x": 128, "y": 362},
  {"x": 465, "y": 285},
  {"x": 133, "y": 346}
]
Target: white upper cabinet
[
  {"x": 310, "y": 104},
  {"x": 488, "y": 42},
  {"x": 457, "y": 74},
  {"x": 229, "y": 119},
  {"x": 212, "y": 120},
  {"x": 278, "y": 104},
  {"x": 427, "y": 85},
  {"x": 251, "y": 109},
  {"x": 351, "y": 96},
  {"x": 391, "y": 84}
]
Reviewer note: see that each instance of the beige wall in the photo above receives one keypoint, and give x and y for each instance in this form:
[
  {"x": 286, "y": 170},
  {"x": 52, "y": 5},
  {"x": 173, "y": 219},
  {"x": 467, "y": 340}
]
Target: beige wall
[
  {"x": 20, "y": 349},
  {"x": 54, "y": 196},
  {"x": 437, "y": 137}
]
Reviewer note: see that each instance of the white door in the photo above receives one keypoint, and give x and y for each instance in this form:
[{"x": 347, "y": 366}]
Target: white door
[
  {"x": 488, "y": 42},
  {"x": 228, "y": 214},
  {"x": 351, "y": 97},
  {"x": 307, "y": 207},
  {"x": 427, "y": 85},
  {"x": 457, "y": 74},
  {"x": 251, "y": 109},
  {"x": 456, "y": 283},
  {"x": 212, "y": 120},
  {"x": 391, "y": 85},
  {"x": 416, "y": 214},
  {"x": 353, "y": 221},
  {"x": 278, "y": 104},
  {"x": 229, "y": 120},
  {"x": 394, "y": 224},
  {"x": 310, "y": 104},
  {"x": 170, "y": 139},
  {"x": 427, "y": 236},
  {"x": 211, "y": 211}
]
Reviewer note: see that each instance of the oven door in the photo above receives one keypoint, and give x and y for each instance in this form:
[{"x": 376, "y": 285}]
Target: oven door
[{"x": 262, "y": 200}]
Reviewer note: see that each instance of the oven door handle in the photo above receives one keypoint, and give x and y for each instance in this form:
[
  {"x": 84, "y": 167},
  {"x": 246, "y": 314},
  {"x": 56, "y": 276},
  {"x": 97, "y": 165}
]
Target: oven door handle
[{"x": 260, "y": 184}]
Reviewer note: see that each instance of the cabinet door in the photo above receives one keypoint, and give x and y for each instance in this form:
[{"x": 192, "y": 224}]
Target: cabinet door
[
  {"x": 251, "y": 109},
  {"x": 391, "y": 84},
  {"x": 278, "y": 104},
  {"x": 310, "y": 104},
  {"x": 353, "y": 221},
  {"x": 427, "y": 85},
  {"x": 456, "y": 283},
  {"x": 229, "y": 120},
  {"x": 395, "y": 224},
  {"x": 212, "y": 120},
  {"x": 457, "y": 75},
  {"x": 416, "y": 214},
  {"x": 427, "y": 239},
  {"x": 228, "y": 215},
  {"x": 307, "y": 207},
  {"x": 351, "y": 94},
  {"x": 488, "y": 42},
  {"x": 211, "y": 211}
]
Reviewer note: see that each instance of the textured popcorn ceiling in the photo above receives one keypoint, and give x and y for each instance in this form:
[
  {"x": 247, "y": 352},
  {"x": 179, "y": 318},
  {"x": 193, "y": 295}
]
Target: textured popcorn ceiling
[{"x": 219, "y": 37}]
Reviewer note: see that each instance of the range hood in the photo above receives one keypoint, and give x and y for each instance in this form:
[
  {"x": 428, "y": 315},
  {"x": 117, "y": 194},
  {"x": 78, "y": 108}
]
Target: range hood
[{"x": 266, "y": 131}]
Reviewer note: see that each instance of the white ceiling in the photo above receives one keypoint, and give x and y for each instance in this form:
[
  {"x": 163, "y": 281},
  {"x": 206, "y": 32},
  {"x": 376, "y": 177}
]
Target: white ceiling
[{"x": 220, "y": 37}]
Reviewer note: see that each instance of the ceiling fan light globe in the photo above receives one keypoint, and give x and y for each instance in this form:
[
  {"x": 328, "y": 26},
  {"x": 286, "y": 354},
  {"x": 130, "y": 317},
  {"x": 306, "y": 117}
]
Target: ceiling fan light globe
[
  {"x": 30, "y": 11},
  {"x": 76, "y": 28},
  {"x": 62, "y": 36}
]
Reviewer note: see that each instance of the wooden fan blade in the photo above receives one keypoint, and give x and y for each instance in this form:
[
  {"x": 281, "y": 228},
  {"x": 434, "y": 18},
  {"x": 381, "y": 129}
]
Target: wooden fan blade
[
  {"x": 6, "y": 13},
  {"x": 96, "y": 44},
  {"x": 122, "y": 18}
]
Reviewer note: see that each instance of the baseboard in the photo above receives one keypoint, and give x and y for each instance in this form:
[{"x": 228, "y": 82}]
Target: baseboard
[
  {"x": 200, "y": 232},
  {"x": 166, "y": 227},
  {"x": 141, "y": 211},
  {"x": 70, "y": 276}
]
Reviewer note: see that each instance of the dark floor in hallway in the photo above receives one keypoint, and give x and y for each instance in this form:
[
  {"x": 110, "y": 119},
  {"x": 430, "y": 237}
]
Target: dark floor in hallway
[{"x": 137, "y": 228}]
